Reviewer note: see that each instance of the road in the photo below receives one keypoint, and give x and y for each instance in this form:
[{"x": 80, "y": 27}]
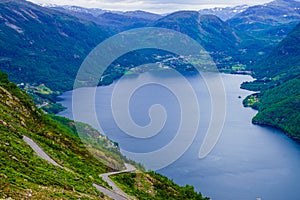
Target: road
[
  {"x": 109, "y": 193},
  {"x": 39, "y": 151},
  {"x": 105, "y": 177},
  {"x": 116, "y": 193}
]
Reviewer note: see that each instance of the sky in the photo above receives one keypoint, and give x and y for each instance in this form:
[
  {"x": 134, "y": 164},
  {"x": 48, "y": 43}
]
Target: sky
[{"x": 155, "y": 6}]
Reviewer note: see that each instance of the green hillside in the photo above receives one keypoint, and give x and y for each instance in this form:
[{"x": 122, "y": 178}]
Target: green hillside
[
  {"x": 22, "y": 171},
  {"x": 151, "y": 185},
  {"x": 283, "y": 63},
  {"x": 279, "y": 82},
  {"x": 279, "y": 107},
  {"x": 44, "y": 46}
]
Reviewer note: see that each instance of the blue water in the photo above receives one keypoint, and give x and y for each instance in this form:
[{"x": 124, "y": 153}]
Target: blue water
[{"x": 248, "y": 161}]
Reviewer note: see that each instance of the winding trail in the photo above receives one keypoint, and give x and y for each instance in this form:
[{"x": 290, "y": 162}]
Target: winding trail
[{"x": 116, "y": 193}]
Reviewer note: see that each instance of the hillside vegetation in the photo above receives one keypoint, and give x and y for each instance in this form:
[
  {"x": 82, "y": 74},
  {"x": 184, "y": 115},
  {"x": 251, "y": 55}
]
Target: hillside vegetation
[
  {"x": 279, "y": 82},
  {"x": 22, "y": 172},
  {"x": 44, "y": 46},
  {"x": 283, "y": 63},
  {"x": 279, "y": 107},
  {"x": 151, "y": 185}
]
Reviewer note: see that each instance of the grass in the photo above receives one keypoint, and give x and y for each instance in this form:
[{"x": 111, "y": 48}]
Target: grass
[{"x": 151, "y": 185}]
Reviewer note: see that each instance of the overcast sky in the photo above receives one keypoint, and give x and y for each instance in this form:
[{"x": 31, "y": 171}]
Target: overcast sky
[{"x": 156, "y": 6}]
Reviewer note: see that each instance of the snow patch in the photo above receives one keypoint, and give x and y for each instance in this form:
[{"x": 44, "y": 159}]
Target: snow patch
[
  {"x": 20, "y": 14},
  {"x": 16, "y": 28},
  {"x": 31, "y": 14}
]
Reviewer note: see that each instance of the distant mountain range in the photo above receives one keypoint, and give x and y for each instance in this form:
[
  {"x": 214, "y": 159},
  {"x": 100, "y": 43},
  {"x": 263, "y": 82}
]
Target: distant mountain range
[
  {"x": 271, "y": 21},
  {"x": 115, "y": 20},
  {"x": 224, "y": 13},
  {"x": 28, "y": 54}
]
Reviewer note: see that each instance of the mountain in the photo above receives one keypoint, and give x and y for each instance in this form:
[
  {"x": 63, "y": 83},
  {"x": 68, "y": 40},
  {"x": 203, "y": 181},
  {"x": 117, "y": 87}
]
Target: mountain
[
  {"x": 142, "y": 14},
  {"x": 29, "y": 55},
  {"x": 125, "y": 21},
  {"x": 282, "y": 64},
  {"x": 271, "y": 21},
  {"x": 77, "y": 9},
  {"x": 227, "y": 45},
  {"x": 224, "y": 13},
  {"x": 284, "y": 61},
  {"x": 116, "y": 21},
  {"x": 25, "y": 175},
  {"x": 43, "y": 46},
  {"x": 278, "y": 79}
]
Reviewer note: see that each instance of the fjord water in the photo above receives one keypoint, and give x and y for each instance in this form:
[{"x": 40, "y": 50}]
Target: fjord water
[{"x": 248, "y": 161}]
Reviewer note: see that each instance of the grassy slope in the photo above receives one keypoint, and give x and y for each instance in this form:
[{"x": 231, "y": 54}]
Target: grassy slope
[{"x": 151, "y": 185}]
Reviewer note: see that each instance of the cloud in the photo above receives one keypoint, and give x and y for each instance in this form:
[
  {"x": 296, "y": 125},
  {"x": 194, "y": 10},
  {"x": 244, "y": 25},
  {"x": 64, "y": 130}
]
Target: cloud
[{"x": 157, "y": 6}]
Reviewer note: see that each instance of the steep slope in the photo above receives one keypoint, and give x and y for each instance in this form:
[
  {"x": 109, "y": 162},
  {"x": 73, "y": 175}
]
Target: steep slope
[
  {"x": 25, "y": 175},
  {"x": 284, "y": 60},
  {"x": 279, "y": 107},
  {"x": 279, "y": 81},
  {"x": 43, "y": 46},
  {"x": 282, "y": 64},
  {"x": 271, "y": 21}
]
